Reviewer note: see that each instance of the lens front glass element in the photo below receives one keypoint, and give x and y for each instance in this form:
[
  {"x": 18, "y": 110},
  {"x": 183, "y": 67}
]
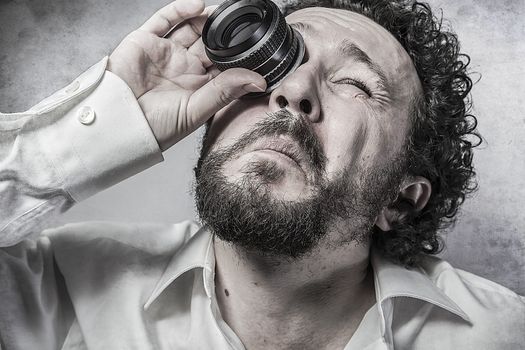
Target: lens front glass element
[{"x": 241, "y": 28}]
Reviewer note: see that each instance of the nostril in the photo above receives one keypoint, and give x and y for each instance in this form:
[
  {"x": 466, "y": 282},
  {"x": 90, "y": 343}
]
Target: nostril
[
  {"x": 305, "y": 106},
  {"x": 281, "y": 101}
]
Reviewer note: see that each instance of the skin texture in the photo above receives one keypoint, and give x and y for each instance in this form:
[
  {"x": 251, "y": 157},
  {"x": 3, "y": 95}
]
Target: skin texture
[
  {"x": 305, "y": 302},
  {"x": 316, "y": 301}
]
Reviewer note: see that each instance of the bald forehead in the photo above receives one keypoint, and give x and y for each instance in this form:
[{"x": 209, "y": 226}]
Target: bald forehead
[
  {"x": 317, "y": 18},
  {"x": 329, "y": 27},
  {"x": 342, "y": 17}
]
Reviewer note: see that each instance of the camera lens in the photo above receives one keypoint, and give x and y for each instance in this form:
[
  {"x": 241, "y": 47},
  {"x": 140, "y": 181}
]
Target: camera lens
[{"x": 253, "y": 34}]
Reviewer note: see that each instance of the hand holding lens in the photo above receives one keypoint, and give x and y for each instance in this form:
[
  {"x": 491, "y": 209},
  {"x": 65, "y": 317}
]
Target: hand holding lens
[{"x": 253, "y": 34}]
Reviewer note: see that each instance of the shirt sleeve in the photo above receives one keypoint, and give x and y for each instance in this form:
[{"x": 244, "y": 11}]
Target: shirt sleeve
[{"x": 82, "y": 139}]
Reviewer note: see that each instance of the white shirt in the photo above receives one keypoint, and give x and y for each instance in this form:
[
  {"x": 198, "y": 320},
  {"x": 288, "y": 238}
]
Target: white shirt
[{"x": 146, "y": 286}]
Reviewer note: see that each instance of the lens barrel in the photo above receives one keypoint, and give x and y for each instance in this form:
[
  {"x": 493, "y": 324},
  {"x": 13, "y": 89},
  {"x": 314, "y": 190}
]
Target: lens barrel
[{"x": 253, "y": 34}]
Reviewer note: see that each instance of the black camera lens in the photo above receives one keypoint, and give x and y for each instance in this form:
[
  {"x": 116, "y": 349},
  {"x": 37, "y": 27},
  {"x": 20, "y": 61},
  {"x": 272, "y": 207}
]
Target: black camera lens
[{"x": 253, "y": 34}]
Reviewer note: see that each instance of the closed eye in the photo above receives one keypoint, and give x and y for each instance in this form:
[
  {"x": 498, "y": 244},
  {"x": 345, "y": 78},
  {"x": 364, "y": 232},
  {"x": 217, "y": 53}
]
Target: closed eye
[{"x": 357, "y": 83}]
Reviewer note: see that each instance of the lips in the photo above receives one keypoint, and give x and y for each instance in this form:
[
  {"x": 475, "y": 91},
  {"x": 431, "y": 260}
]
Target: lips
[{"x": 283, "y": 145}]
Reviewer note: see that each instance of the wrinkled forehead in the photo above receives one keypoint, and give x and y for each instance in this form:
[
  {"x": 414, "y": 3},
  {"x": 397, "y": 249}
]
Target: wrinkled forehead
[{"x": 326, "y": 28}]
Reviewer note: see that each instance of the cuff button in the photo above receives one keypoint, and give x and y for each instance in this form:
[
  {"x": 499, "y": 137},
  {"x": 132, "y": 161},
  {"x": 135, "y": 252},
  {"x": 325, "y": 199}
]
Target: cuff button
[
  {"x": 72, "y": 87},
  {"x": 86, "y": 115}
]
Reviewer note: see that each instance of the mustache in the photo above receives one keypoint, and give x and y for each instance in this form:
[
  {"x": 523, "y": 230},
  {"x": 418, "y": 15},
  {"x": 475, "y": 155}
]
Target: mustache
[{"x": 283, "y": 122}]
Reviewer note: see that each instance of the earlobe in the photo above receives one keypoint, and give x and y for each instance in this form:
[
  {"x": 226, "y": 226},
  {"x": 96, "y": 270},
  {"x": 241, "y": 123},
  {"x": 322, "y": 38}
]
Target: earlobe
[
  {"x": 412, "y": 198},
  {"x": 383, "y": 219}
]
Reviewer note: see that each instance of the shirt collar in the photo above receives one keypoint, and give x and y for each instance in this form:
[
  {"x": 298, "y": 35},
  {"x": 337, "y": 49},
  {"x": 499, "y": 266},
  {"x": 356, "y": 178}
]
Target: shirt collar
[
  {"x": 391, "y": 280},
  {"x": 197, "y": 252}
]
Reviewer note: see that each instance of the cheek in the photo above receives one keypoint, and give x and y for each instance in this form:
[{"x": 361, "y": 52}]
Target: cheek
[
  {"x": 346, "y": 133},
  {"x": 347, "y": 146},
  {"x": 356, "y": 138}
]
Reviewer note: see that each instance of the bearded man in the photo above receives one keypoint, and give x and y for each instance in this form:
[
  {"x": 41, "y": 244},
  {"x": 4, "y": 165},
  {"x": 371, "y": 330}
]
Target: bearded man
[{"x": 320, "y": 202}]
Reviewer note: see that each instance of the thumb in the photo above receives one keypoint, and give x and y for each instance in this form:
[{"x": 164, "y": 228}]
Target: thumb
[{"x": 220, "y": 91}]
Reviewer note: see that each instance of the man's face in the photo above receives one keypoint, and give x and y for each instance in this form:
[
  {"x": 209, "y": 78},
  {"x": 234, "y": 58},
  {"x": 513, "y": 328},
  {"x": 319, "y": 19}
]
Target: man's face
[{"x": 343, "y": 129}]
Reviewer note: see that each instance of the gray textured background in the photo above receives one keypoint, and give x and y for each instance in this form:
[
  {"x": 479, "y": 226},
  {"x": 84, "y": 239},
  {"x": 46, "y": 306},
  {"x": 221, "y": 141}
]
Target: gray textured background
[{"x": 45, "y": 44}]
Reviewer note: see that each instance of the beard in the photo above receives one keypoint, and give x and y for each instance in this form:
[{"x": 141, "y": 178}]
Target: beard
[{"x": 247, "y": 214}]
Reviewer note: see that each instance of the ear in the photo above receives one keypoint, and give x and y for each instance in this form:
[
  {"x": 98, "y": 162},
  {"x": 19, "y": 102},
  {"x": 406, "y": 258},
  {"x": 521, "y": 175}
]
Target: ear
[{"x": 412, "y": 198}]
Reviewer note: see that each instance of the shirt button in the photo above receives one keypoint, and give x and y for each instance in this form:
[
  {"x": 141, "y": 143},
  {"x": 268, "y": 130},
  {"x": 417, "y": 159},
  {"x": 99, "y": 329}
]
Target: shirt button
[
  {"x": 72, "y": 87},
  {"x": 86, "y": 115}
]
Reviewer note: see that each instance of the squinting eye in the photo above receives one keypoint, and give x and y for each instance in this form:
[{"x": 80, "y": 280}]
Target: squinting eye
[{"x": 357, "y": 83}]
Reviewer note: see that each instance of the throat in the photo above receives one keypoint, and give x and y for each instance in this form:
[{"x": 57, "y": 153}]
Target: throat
[{"x": 275, "y": 308}]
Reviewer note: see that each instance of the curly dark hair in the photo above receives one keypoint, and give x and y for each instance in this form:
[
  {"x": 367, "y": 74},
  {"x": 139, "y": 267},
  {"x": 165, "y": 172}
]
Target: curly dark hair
[{"x": 443, "y": 132}]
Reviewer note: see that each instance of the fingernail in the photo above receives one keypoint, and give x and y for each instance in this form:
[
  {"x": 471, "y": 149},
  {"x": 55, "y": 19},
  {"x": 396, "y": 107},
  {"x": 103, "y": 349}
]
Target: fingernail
[{"x": 253, "y": 88}]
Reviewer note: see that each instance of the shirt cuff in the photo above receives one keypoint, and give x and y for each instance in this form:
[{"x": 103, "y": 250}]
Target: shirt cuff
[{"x": 102, "y": 139}]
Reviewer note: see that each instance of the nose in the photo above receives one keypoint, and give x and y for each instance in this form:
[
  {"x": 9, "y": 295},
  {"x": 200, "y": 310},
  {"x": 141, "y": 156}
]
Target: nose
[{"x": 298, "y": 93}]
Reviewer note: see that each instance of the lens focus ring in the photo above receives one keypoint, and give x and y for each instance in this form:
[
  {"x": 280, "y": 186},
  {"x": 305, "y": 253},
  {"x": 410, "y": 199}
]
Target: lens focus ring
[{"x": 260, "y": 55}]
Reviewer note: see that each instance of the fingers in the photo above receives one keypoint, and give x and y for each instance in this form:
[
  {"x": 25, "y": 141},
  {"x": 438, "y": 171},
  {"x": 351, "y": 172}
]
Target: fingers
[
  {"x": 172, "y": 14},
  {"x": 191, "y": 30},
  {"x": 197, "y": 49},
  {"x": 199, "y": 22},
  {"x": 220, "y": 91},
  {"x": 184, "y": 35},
  {"x": 213, "y": 71}
]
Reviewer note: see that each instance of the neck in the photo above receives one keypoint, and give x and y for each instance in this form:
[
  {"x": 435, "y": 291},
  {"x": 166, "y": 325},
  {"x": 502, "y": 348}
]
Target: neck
[{"x": 316, "y": 301}]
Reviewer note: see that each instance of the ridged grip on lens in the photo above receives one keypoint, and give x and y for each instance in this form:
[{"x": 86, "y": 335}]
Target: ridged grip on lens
[
  {"x": 286, "y": 61},
  {"x": 260, "y": 55}
]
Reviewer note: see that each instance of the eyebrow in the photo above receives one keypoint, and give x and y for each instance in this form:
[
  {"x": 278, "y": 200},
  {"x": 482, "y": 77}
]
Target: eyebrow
[
  {"x": 302, "y": 27},
  {"x": 350, "y": 50}
]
